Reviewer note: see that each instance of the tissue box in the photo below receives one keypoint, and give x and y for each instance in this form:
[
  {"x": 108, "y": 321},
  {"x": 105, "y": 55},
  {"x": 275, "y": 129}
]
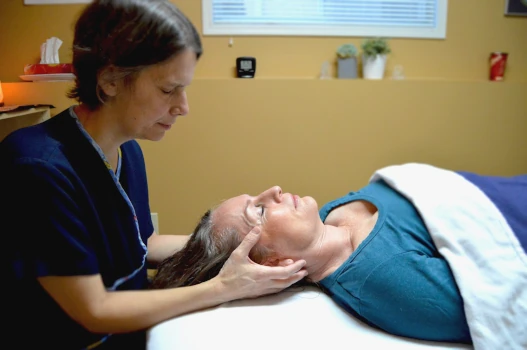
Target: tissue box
[{"x": 59, "y": 68}]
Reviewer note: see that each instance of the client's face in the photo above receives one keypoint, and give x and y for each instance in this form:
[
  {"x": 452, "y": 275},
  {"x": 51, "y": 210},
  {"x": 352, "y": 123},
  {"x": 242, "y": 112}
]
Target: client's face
[{"x": 288, "y": 223}]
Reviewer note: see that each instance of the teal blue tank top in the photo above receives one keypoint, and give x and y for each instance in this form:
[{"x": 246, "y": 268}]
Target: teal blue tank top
[{"x": 396, "y": 279}]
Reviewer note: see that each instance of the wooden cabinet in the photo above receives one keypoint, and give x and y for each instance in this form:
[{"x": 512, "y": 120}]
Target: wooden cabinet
[{"x": 10, "y": 121}]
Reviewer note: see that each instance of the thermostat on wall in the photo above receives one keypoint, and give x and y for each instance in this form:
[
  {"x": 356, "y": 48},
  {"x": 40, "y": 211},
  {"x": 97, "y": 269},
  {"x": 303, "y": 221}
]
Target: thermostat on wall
[{"x": 245, "y": 67}]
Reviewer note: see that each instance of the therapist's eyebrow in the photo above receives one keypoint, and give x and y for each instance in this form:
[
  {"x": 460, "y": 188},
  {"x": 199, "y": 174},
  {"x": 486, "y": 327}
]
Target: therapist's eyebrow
[
  {"x": 167, "y": 82},
  {"x": 173, "y": 85}
]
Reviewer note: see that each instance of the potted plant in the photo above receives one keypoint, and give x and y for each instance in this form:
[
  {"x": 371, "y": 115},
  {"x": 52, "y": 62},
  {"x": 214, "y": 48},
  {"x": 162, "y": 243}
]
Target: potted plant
[
  {"x": 347, "y": 61},
  {"x": 374, "y": 55}
]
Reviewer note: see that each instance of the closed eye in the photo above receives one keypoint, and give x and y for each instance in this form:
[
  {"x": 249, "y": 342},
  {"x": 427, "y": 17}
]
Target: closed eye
[
  {"x": 168, "y": 92},
  {"x": 171, "y": 91}
]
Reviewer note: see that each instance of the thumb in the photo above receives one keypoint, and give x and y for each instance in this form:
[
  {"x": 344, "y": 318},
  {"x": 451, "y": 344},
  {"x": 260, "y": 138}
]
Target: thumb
[{"x": 249, "y": 242}]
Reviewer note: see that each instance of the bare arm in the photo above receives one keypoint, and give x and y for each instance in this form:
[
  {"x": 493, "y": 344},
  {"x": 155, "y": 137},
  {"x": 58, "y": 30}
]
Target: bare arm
[
  {"x": 85, "y": 299},
  {"x": 161, "y": 247}
]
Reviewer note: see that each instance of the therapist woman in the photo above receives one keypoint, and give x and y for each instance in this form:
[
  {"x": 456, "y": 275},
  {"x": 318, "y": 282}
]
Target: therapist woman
[{"x": 76, "y": 219}]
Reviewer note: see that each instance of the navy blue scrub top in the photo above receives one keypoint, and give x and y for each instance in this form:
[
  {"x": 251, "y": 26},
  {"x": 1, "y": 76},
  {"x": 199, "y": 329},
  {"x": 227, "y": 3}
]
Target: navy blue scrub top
[{"x": 65, "y": 214}]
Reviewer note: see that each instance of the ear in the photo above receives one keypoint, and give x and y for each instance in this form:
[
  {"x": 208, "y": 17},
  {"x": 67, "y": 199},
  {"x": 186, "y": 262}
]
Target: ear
[{"x": 107, "y": 82}]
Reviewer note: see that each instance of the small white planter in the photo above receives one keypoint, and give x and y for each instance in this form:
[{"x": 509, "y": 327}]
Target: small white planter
[{"x": 373, "y": 66}]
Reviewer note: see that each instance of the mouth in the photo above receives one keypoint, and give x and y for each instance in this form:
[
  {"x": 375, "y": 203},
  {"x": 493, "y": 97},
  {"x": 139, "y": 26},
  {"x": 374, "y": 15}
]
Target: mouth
[
  {"x": 295, "y": 200},
  {"x": 165, "y": 126}
]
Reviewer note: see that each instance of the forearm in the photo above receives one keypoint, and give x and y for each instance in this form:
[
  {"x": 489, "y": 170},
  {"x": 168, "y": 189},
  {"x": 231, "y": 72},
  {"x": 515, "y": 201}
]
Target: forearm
[
  {"x": 127, "y": 311},
  {"x": 161, "y": 247},
  {"x": 85, "y": 299}
]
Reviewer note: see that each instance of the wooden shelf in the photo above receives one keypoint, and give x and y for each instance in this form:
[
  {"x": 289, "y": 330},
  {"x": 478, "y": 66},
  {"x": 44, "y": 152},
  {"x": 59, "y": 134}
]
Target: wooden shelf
[
  {"x": 11, "y": 121},
  {"x": 42, "y": 111}
]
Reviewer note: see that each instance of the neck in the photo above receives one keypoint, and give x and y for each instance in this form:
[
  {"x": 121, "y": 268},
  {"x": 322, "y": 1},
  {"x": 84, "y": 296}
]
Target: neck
[
  {"x": 343, "y": 233},
  {"x": 331, "y": 250},
  {"x": 102, "y": 129}
]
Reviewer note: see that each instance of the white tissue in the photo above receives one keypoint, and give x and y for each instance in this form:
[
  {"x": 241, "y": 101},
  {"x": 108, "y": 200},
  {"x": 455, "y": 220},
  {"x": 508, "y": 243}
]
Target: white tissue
[{"x": 49, "y": 51}]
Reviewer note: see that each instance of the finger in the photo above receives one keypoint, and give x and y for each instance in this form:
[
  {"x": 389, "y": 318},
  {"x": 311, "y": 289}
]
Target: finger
[
  {"x": 286, "y": 262},
  {"x": 283, "y": 272},
  {"x": 287, "y": 282},
  {"x": 279, "y": 285},
  {"x": 248, "y": 242}
]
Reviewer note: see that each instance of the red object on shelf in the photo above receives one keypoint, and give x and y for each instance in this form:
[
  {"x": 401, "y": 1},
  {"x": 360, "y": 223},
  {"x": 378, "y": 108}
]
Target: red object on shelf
[
  {"x": 498, "y": 61},
  {"x": 59, "y": 68}
]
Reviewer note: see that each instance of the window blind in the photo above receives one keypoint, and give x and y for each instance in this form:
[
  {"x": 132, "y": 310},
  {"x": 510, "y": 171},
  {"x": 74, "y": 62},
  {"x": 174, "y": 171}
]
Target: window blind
[{"x": 410, "y": 18}]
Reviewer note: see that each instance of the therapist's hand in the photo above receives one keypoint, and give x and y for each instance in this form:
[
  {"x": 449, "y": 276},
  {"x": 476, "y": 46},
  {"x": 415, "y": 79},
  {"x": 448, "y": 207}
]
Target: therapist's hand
[{"x": 241, "y": 277}]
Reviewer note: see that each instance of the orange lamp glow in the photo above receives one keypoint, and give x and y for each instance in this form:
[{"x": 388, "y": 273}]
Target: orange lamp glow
[{"x": 1, "y": 95}]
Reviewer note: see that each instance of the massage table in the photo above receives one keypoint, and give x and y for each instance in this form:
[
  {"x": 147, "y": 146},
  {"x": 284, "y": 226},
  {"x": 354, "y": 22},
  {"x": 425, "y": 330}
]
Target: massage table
[{"x": 297, "y": 318}]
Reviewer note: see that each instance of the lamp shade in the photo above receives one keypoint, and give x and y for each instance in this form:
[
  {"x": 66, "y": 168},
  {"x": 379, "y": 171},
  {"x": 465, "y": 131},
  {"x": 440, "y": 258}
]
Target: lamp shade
[{"x": 1, "y": 95}]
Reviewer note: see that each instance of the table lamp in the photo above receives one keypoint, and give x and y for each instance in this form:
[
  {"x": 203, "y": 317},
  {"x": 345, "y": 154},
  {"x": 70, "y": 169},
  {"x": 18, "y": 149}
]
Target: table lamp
[{"x": 1, "y": 95}]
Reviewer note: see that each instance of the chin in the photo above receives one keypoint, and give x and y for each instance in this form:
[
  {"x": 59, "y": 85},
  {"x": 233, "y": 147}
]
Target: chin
[
  {"x": 152, "y": 136},
  {"x": 158, "y": 138},
  {"x": 311, "y": 200}
]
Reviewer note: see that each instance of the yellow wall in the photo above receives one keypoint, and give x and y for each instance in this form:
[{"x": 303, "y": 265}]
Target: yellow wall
[
  {"x": 318, "y": 137},
  {"x": 474, "y": 29},
  {"x": 312, "y": 137}
]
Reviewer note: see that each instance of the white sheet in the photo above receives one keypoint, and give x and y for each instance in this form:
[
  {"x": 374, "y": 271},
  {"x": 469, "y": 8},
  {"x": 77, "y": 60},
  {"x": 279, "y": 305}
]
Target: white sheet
[
  {"x": 293, "y": 319},
  {"x": 486, "y": 258}
]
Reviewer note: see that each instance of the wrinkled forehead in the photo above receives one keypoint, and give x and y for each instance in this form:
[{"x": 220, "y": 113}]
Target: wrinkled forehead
[{"x": 231, "y": 213}]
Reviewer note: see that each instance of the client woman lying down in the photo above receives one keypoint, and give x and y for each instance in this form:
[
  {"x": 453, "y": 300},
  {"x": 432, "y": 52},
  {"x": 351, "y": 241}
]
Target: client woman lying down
[{"x": 369, "y": 250}]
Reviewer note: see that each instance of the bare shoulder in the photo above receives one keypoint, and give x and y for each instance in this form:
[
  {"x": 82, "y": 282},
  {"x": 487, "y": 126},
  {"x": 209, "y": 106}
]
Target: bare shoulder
[
  {"x": 351, "y": 213},
  {"x": 358, "y": 216}
]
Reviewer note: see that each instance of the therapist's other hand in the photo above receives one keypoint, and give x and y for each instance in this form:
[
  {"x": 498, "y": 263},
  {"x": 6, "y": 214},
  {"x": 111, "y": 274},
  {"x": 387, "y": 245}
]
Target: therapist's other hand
[{"x": 241, "y": 277}]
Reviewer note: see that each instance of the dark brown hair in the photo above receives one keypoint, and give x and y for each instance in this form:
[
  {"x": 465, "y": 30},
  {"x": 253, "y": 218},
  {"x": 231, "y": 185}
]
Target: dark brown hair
[
  {"x": 127, "y": 35},
  {"x": 203, "y": 256}
]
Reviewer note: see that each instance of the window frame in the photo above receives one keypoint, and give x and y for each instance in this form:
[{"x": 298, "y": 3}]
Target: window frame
[
  {"x": 209, "y": 28},
  {"x": 55, "y": 2}
]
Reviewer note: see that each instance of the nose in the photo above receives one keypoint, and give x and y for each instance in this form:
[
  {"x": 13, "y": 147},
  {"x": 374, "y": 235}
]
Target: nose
[
  {"x": 180, "y": 106},
  {"x": 274, "y": 193}
]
